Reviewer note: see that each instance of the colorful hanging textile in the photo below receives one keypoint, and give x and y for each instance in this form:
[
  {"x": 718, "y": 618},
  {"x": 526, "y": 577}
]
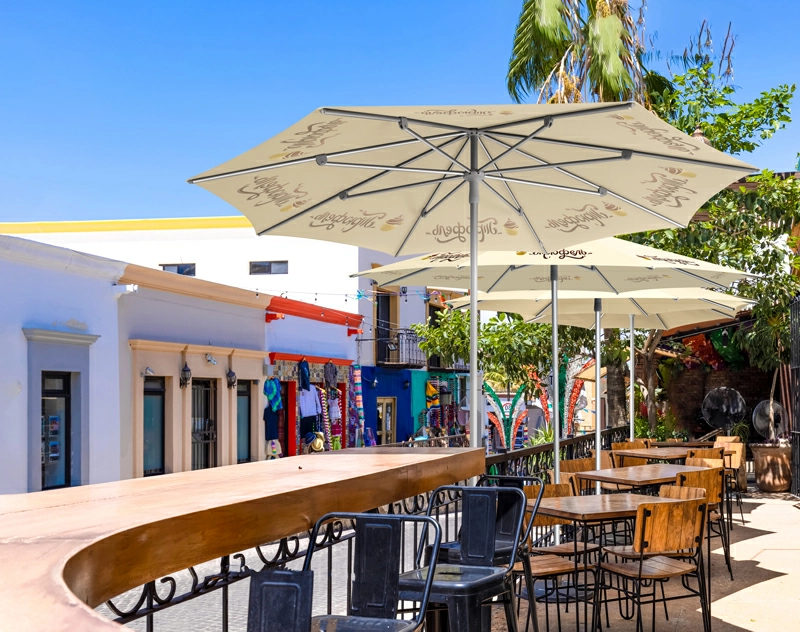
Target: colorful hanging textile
[
  {"x": 355, "y": 413},
  {"x": 326, "y": 420},
  {"x": 272, "y": 391},
  {"x": 431, "y": 395}
]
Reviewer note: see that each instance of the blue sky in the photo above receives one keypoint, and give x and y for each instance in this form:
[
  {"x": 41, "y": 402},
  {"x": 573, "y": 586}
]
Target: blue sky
[{"x": 108, "y": 107}]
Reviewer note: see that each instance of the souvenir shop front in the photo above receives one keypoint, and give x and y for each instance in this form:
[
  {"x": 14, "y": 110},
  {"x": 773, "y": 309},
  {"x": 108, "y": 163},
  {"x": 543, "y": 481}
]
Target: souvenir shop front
[
  {"x": 443, "y": 409},
  {"x": 306, "y": 395}
]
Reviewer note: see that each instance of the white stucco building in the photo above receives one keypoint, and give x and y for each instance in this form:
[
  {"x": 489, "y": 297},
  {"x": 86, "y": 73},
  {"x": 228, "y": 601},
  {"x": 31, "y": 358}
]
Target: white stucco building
[{"x": 93, "y": 386}]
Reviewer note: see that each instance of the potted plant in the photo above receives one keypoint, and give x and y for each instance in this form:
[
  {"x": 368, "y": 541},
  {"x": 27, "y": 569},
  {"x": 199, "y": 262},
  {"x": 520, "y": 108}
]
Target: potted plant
[{"x": 772, "y": 459}]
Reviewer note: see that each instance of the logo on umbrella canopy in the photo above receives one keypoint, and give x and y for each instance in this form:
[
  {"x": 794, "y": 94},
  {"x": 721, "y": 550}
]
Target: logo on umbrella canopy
[
  {"x": 267, "y": 190},
  {"x": 586, "y": 215},
  {"x": 312, "y": 137},
  {"x": 444, "y": 233}
]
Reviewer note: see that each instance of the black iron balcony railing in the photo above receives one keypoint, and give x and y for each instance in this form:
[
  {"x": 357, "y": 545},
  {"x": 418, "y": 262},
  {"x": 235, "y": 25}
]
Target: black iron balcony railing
[
  {"x": 399, "y": 348},
  {"x": 333, "y": 568}
]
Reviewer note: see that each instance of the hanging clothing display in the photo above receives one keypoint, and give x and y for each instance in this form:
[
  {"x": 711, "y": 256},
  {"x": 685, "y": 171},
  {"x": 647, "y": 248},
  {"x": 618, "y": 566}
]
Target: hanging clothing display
[
  {"x": 304, "y": 375},
  {"x": 355, "y": 426},
  {"x": 326, "y": 421},
  {"x": 271, "y": 421},
  {"x": 274, "y": 450},
  {"x": 431, "y": 395},
  {"x": 309, "y": 403},
  {"x": 329, "y": 376},
  {"x": 335, "y": 413},
  {"x": 272, "y": 391}
]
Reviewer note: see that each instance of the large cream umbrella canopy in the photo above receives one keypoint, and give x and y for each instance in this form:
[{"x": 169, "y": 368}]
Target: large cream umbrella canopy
[
  {"x": 608, "y": 264},
  {"x": 414, "y": 179},
  {"x": 651, "y": 309},
  {"x": 401, "y": 179}
]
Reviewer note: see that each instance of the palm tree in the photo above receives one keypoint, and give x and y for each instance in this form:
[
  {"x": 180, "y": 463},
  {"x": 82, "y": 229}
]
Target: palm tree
[{"x": 567, "y": 51}]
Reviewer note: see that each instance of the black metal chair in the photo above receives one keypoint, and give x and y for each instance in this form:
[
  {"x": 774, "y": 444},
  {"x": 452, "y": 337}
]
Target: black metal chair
[
  {"x": 465, "y": 586},
  {"x": 280, "y": 601},
  {"x": 376, "y": 573}
]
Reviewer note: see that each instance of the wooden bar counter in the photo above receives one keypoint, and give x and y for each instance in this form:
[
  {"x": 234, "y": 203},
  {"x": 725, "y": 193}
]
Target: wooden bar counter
[{"x": 63, "y": 552}]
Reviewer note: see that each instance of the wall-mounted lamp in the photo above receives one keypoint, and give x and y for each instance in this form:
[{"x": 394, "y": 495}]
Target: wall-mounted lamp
[
  {"x": 231, "y": 378},
  {"x": 211, "y": 359},
  {"x": 392, "y": 346},
  {"x": 186, "y": 376},
  {"x": 406, "y": 384},
  {"x": 148, "y": 372},
  {"x": 375, "y": 382}
]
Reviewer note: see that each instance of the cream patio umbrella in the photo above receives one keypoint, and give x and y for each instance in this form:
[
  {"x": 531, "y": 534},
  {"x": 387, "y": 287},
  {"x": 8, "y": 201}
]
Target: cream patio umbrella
[
  {"x": 409, "y": 179},
  {"x": 652, "y": 309}
]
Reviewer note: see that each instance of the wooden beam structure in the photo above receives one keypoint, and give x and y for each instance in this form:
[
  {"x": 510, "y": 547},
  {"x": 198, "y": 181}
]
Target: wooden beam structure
[{"x": 66, "y": 551}]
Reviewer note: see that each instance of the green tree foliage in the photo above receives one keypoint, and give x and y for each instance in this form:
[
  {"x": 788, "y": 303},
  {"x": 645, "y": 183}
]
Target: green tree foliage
[
  {"x": 567, "y": 51},
  {"x": 750, "y": 227},
  {"x": 508, "y": 346}
]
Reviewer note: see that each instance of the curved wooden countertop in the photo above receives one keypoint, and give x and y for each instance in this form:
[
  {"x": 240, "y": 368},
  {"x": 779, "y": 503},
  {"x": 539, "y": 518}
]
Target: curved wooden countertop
[{"x": 65, "y": 551}]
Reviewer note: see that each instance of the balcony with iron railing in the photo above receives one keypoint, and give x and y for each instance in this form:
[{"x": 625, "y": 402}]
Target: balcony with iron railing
[{"x": 399, "y": 348}]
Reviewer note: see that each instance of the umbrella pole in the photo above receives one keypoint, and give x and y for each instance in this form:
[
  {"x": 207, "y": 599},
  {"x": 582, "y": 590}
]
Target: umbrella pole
[
  {"x": 631, "y": 372},
  {"x": 554, "y": 418},
  {"x": 475, "y": 388},
  {"x": 598, "y": 306}
]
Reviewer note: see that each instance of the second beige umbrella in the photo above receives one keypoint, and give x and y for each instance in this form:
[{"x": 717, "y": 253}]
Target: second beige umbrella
[{"x": 651, "y": 309}]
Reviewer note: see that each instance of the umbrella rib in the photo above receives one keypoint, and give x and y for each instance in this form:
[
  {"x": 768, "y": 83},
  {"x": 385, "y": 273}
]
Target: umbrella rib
[
  {"x": 355, "y": 165},
  {"x": 500, "y": 278},
  {"x": 518, "y": 211},
  {"x": 358, "y": 184},
  {"x": 557, "y": 187},
  {"x": 424, "y": 212},
  {"x": 439, "y": 151},
  {"x": 639, "y": 307},
  {"x": 299, "y": 161},
  {"x": 661, "y": 320},
  {"x": 638, "y": 152},
  {"x": 721, "y": 305},
  {"x": 700, "y": 278},
  {"x": 493, "y": 161},
  {"x": 592, "y": 184},
  {"x": 390, "y": 119},
  {"x": 547, "y": 122},
  {"x": 543, "y": 310},
  {"x": 605, "y": 108},
  {"x": 345, "y": 195},
  {"x": 624, "y": 155},
  {"x": 602, "y": 276},
  {"x": 722, "y": 313}
]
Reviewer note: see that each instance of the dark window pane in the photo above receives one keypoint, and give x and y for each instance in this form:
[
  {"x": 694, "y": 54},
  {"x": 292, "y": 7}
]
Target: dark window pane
[
  {"x": 243, "y": 422},
  {"x": 53, "y": 384},
  {"x": 269, "y": 267},
  {"x": 186, "y": 269}
]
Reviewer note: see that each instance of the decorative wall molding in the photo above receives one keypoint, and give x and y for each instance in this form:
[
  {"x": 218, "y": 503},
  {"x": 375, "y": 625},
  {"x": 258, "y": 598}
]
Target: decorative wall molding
[{"x": 59, "y": 337}]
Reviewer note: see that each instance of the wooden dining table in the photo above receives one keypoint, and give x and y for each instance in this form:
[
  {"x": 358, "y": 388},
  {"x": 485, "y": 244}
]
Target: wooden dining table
[
  {"x": 592, "y": 510},
  {"x": 638, "y": 475},
  {"x": 656, "y": 454}
]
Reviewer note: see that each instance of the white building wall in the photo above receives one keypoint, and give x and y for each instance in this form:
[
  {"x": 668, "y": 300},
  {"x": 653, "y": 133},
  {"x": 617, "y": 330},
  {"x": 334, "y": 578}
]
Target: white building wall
[
  {"x": 155, "y": 315},
  {"x": 300, "y": 335},
  {"x": 317, "y": 269},
  {"x": 66, "y": 292}
]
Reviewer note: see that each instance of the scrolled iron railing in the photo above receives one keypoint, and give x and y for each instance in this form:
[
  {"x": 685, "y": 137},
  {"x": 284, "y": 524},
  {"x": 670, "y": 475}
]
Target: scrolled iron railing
[{"x": 150, "y": 601}]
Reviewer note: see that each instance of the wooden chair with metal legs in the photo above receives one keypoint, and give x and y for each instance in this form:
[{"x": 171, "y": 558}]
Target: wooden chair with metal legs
[
  {"x": 570, "y": 467},
  {"x": 607, "y": 463},
  {"x": 661, "y": 529},
  {"x": 706, "y": 453},
  {"x": 626, "y": 551},
  {"x": 548, "y": 563},
  {"x": 712, "y": 479},
  {"x": 733, "y": 464},
  {"x": 636, "y": 444}
]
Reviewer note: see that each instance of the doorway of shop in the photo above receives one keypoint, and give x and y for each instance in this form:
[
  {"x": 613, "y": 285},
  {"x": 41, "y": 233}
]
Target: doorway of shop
[{"x": 387, "y": 407}]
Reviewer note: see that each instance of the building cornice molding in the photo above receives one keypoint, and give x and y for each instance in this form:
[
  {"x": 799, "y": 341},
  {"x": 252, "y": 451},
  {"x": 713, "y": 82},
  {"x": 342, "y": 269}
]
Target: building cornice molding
[
  {"x": 59, "y": 337},
  {"x": 138, "y": 344},
  {"x": 58, "y": 258}
]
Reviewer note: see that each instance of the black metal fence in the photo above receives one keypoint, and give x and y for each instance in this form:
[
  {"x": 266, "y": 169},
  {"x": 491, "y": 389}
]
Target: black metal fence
[
  {"x": 400, "y": 348},
  {"x": 333, "y": 573}
]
